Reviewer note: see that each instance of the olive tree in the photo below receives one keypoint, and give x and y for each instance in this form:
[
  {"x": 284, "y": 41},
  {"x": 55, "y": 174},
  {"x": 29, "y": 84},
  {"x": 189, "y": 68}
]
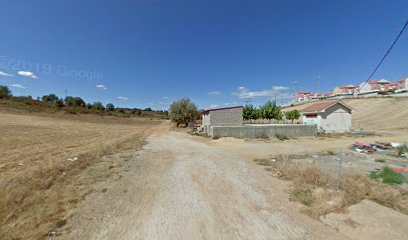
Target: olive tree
[
  {"x": 110, "y": 107},
  {"x": 183, "y": 111},
  {"x": 50, "y": 98},
  {"x": 5, "y": 92}
]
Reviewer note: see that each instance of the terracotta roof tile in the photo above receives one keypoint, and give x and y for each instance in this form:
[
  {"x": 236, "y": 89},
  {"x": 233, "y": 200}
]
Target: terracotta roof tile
[{"x": 318, "y": 107}]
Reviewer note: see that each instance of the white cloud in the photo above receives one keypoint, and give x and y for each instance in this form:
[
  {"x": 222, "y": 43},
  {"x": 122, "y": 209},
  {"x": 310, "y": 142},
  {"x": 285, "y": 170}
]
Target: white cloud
[
  {"x": 123, "y": 98},
  {"x": 100, "y": 86},
  {"x": 280, "y": 88},
  {"x": 214, "y": 93},
  {"x": 227, "y": 104},
  {"x": 5, "y": 74},
  {"x": 245, "y": 93},
  {"x": 213, "y": 105},
  {"x": 27, "y": 74},
  {"x": 18, "y": 86},
  {"x": 165, "y": 97}
]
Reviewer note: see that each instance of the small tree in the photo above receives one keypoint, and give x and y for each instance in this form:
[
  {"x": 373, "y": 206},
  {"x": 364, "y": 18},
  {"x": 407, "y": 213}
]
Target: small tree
[
  {"x": 268, "y": 110},
  {"x": 136, "y": 111},
  {"x": 75, "y": 102},
  {"x": 59, "y": 103},
  {"x": 292, "y": 115},
  {"x": 110, "y": 107},
  {"x": 183, "y": 111},
  {"x": 148, "y": 109},
  {"x": 249, "y": 112},
  {"x": 5, "y": 92},
  {"x": 50, "y": 98},
  {"x": 98, "y": 106}
]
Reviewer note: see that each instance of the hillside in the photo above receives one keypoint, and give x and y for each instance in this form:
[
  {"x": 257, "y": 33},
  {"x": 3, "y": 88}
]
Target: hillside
[{"x": 375, "y": 113}]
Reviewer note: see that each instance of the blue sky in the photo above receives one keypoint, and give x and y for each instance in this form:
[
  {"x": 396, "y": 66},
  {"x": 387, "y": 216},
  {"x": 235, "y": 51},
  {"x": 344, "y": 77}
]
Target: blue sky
[{"x": 147, "y": 53}]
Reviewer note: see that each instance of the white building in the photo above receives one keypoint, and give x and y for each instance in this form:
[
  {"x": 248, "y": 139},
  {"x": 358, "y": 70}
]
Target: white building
[
  {"x": 330, "y": 116},
  {"x": 230, "y": 116}
]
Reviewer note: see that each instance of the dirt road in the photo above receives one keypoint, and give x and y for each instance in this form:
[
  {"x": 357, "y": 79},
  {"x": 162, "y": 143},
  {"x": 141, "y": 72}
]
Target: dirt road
[{"x": 179, "y": 187}]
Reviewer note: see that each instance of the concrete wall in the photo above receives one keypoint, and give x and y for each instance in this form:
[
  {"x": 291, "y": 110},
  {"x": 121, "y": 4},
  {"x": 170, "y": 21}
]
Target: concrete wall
[
  {"x": 262, "y": 131},
  {"x": 226, "y": 117},
  {"x": 336, "y": 118}
]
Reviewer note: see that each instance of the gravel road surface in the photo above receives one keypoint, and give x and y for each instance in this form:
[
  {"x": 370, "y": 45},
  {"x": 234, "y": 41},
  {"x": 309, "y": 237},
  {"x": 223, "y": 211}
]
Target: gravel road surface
[{"x": 180, "y": 187}]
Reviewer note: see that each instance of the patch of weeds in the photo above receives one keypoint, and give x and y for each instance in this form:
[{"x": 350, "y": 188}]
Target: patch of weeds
[
  {"x": 379, "y": 160},
  {"x": 330, "y": 152},
  {"x": 281, "y": 136},
  {"x": 303, "y": 195},
  {"x": 263, "y": 161},
  {"x": 104, "y": 190},
  {"x": 387, "y": 175},
  {"x": 263, "y": 136},
  {"x": 402, "y": 150},
  {"x": 61, "y": 223}
]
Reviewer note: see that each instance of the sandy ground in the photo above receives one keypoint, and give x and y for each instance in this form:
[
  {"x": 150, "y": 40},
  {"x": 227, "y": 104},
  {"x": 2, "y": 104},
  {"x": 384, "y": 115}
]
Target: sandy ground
[
  {"x": 179, "y": 187},
  {"x": 253, "y": 148}
]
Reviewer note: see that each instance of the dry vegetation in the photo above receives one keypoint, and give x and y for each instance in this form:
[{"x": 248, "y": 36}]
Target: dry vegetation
[
  {"x": 323, "y": 193},
  {"x": 39, "y": 185}
]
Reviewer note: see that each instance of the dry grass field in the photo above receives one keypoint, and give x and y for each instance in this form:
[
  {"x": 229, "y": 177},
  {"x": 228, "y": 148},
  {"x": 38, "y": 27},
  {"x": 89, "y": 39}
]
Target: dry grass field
[{"x": 39, "y": 185}]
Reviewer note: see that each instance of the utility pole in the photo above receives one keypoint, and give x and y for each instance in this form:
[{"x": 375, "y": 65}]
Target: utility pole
[
  {"x": 317, "y": 78},
  {"x": 66, "y": 93}
]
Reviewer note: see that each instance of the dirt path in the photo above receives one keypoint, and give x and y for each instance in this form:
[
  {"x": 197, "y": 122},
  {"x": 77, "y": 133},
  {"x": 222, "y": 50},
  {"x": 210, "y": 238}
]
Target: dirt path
[{"x": 179, "y": 188}]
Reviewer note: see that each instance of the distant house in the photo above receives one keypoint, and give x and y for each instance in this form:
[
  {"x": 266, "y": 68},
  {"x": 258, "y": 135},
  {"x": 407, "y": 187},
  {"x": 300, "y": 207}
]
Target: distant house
[
  {"x": 401, "y": 85},
  {"x": 330, "y": 116},
  {"x": 376, "y": 86},
  {"x": 230, "y": 116},
  {"x": 302, "y": 96},
  {"x": 345, "y": 90}
]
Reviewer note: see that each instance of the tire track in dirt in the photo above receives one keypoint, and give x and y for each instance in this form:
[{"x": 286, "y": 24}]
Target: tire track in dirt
[{"x": 187, "y": 189}]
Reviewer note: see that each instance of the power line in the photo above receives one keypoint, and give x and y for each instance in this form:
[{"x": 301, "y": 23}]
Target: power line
[{"x": 388, "y": 51}]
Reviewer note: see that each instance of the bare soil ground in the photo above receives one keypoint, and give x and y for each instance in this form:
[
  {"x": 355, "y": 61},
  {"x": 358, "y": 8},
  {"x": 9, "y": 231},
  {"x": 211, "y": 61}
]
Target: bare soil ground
[
  {"x": 39, "y": 185},
  {"x": 179, "y": 187}
]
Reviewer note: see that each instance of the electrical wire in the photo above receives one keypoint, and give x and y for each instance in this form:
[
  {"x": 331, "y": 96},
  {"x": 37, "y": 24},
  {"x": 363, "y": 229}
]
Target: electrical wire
[{"x": 388, "y": 51}]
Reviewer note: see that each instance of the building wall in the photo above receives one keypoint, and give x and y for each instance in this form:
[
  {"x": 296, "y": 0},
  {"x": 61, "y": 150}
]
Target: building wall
[
  {"x": 262, "y": 131},
  {"x": 226, "y": 117},
  {"x": 312, "y": 121},
  {"x": 337, "y": 118}
]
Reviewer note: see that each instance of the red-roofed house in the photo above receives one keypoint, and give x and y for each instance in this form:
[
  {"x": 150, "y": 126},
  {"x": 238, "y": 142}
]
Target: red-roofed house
[
  {"x": 302, "y": 96},
  {"x": 401, "y": 85},
  {"x": 329, "y": 116},
  {"x": 381, "y": 85},
  {"x": 345, "y": 90}
]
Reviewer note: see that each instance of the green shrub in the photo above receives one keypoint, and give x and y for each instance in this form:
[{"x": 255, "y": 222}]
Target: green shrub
[
  {"x": 5, "y": 92},
  {"x": 388, "y": 175},
  {"x": 402, "y": 149},
  {"x": 281, "y": 136}
]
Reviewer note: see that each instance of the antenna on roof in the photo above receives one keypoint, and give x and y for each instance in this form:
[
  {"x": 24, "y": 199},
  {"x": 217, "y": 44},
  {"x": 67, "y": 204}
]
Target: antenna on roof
[{"x": 247, "y": 101}]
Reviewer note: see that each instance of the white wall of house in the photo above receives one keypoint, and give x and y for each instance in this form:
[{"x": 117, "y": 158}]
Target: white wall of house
[
  {"x": 307, "y": 120},
  {"x": 336, "y": 118}
]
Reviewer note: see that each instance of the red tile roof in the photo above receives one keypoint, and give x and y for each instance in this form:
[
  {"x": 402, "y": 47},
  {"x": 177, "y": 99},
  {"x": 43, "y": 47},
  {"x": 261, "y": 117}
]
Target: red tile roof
[{"x": 319, "y": 107}]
